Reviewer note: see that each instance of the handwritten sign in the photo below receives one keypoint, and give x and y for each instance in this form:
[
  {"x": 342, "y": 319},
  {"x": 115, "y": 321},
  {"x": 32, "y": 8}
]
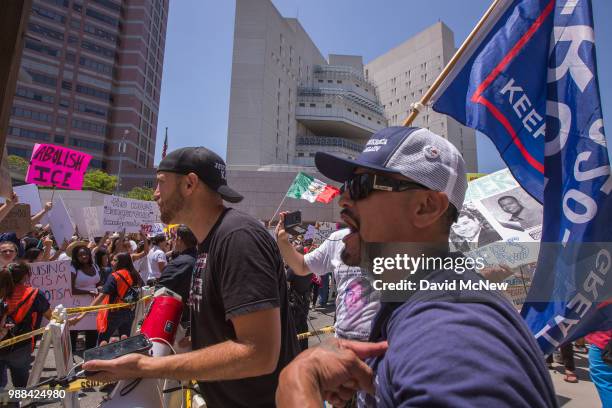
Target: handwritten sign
[
  {"x": 54, "y": 281},
  {"x": 118, "y": 213},
  {"x": 60, "y": 221},
  {"x": 153, "y": 229},
  {"x": 17, "y": 220},
  {"x": 57, "y": 166}
]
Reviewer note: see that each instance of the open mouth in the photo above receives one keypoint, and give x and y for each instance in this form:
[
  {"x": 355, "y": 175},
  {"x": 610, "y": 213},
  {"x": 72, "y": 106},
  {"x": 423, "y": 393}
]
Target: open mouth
[{"x": 353, "y": 227}]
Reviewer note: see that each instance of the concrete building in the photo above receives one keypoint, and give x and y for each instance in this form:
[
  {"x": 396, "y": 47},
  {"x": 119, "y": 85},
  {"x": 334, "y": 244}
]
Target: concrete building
[
  {"x": 403, "y": 75},
  {"x": 287, "y": 101},
  {"x": 90, "y": 78}
]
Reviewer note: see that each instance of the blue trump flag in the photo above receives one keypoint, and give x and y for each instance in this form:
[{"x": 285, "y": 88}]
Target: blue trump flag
[{"x": 529, "y": 82}]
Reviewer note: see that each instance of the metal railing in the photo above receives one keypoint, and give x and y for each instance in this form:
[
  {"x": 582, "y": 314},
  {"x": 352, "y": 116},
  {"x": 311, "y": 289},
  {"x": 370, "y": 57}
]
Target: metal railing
[{"x": 328, "y": 141}]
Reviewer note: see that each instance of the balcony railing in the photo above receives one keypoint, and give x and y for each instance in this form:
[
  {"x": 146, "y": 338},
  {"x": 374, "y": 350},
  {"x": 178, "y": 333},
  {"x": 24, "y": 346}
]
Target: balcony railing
[
  {"x": 342, "y": 93},
  {"x": 328, "y": 141}
]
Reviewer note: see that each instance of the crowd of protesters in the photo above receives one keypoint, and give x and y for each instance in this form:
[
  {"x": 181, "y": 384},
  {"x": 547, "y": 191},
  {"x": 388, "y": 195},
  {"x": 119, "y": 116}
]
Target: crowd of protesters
[{"x": 247, "y": 295}]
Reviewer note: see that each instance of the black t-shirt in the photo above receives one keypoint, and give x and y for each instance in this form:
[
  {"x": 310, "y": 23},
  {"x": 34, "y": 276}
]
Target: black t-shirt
[
  {"x": 239, "y": 270},
  {"x": 176, "y": 276},
  {"x": 301, "y": 284}
]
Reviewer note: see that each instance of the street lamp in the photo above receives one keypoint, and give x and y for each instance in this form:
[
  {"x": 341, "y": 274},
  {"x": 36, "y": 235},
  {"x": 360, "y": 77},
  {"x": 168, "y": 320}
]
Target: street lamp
[{"x": 122, "y": 149}]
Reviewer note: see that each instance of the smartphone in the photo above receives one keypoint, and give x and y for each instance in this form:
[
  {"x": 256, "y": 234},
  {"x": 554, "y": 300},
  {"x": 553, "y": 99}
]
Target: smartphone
[
  {"x": 135, "y": 344},
  {"x": 293, "y": 219},
  {"x": 293, "y": 223}
]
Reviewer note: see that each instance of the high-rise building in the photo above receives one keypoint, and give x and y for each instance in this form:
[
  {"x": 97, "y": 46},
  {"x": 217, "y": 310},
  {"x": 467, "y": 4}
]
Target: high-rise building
[
  {"x": 287, "y": 101},
  {"x": 90, "y": 79},
  {"x": 405, "y": 73}
]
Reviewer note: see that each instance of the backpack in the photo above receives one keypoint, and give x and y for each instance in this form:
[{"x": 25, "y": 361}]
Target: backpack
[{"x": 132, "y": 295}]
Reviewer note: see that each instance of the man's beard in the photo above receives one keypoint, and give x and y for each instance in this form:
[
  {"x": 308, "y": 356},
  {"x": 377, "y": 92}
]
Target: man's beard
[{"x": 170, "y": 208}]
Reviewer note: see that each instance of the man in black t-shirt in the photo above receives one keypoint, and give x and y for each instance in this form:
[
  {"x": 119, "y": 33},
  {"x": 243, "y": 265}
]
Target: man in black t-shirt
[{"x": 242, "y": 331}]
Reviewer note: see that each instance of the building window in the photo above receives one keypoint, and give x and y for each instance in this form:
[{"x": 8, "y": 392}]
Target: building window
[
  {"x": 313, "y": 105},
  {"x": 302, "y": 104},
  {"x": 88, "y": 144},
  {"x": 46, "y": 32},
  {"x": 92, "y": 92},
  {"x": 93, "y": 109},
  {"x": 42, "y": 48},
  {"x": 328, "y": 105},
  {"x": 77, "y": 7},
  {"x": 61, "y": 121},
  {"x": 89, "y": 126},
  {"x": 349, "y": 109},
  {"x": 102, "y": 17},
  {"x": 48, "y": 14},
  {"x": 95, "y": 65},
  {"x": 67, "y": 85},
  {"x": 59, "y": 139},
  {"x": 74, "y": 23},
  {"x": 34, "y": 95},
  {"x": 59, "y": 3},
  {"x": 108, "y": 4},
  {"x": 64, "y": 103},
  {"x": 102, "y": 34},
  {"x": 89, "y": 46},
  {"x": 29, "y": 114},
  {"x": 42, "y": 79},
  {"x": 339, "y": 81},
  {"x": 29, "y": 134},
  {"x": 18, "y": 151}
]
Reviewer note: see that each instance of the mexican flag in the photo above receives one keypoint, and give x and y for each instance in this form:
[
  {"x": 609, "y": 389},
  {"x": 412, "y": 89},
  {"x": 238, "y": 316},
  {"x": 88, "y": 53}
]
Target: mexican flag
[{"x": 306, "y": 187}]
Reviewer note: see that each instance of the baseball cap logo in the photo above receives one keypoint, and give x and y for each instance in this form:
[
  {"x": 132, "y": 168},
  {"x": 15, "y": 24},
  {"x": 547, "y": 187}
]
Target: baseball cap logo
[
  {"x": 374, "y": 145},
  {"x": 431, "y": 152}
]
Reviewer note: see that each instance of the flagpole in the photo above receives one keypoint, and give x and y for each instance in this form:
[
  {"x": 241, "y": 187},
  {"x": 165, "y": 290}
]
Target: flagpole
[
  {"x": 277, "y": 210},
  {"x": 415, "y": 108}
]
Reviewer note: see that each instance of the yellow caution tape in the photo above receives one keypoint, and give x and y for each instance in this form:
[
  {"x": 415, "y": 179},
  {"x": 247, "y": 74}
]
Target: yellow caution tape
[
  {"x": 21, "y": 337},
  {"x": 323, "y": 330},
  {"x": 88, "y": 309}
]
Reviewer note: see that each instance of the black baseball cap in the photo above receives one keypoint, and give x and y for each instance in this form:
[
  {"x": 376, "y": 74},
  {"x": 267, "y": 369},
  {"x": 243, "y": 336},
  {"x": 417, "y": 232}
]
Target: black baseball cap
[{"x": 209, "y": 167}]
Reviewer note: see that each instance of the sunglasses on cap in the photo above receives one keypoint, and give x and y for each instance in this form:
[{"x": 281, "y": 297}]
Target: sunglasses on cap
[{"x": 360, "y": 186}]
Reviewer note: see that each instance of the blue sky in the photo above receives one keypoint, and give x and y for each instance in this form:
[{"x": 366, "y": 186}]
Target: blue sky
[{"x": 198, "y": 58}]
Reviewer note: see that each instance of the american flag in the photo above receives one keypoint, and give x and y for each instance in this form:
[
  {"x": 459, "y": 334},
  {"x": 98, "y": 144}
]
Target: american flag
[{"x": 165, "y": 148}]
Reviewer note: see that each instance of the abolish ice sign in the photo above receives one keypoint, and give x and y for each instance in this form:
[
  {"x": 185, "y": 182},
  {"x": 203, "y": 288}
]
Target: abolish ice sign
[{"x": 57, "y": 166}]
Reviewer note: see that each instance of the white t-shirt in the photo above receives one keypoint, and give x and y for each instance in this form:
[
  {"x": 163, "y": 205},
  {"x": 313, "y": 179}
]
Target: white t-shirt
[
  {"x": 357, "y": 302},
  {"x": 142, "y": 267},
  {"x": 154, "y": 256},
  {"x": 85, "y": 282}
]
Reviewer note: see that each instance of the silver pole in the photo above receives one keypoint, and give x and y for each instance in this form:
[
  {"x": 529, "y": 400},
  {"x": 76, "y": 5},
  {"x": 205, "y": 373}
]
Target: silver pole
[{"x": 122, "y": 148}]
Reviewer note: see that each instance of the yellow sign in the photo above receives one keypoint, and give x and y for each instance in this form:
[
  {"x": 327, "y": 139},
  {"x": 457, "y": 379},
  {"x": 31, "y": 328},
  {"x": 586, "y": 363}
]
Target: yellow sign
[{"x": 474, "y": 176}]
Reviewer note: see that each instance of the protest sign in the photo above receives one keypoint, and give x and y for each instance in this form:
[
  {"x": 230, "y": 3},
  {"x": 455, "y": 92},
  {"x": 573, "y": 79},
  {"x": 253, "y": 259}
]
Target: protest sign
[
  {"x": 322, "y": 231},
  {"x": 499, "y": 222},
  {"x": 6, "y": 185},
  {"x": 60, "y": 221},
  {"x": 120, "y": 213},
  {"x": 54, "y": 280},
  {"x": 153, "y": 229},
  {"x": 57, "y": 166},
  {"x": 92, "y": 217},
  {"x": 28, "y": 194},
  {"x": 17, "y": 220}
]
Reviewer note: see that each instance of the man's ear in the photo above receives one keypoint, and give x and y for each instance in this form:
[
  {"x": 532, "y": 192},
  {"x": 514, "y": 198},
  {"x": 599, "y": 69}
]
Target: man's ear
[
  {"x": 189, "y": 183},
  {"x": 432, "y": 206}
]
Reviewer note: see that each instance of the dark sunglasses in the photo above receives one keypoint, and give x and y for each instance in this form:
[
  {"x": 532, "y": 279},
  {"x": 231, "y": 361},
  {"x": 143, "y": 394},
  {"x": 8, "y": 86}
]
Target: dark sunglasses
[{"x": 360, "y": 186}]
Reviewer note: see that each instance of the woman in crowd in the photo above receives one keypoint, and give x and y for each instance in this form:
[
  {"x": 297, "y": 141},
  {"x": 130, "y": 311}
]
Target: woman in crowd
[
  {"x": 121, "y": 286},
  {"x": 23, "y": 310},
  {"x": 85, "y": 279},
  {"x": 103, "y": 263},
  {"x": 8, "y": 252}
]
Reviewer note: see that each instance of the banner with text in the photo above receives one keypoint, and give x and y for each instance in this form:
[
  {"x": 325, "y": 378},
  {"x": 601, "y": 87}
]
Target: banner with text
[
  {"x": 54, "y": 280},
  {"x": 57, "y": 166}
]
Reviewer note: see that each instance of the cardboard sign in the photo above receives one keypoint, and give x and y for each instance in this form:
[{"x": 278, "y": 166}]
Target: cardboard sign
[
  {"x": 120, "y": 213},
  {"x": 17, "y": 221},
  {"x": 57, "y": 166},
  {"x": 54, "y": 280},
  {"x": 60, "y": 221}
]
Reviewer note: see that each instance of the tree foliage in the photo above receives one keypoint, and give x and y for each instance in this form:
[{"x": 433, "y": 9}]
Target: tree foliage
[
  {"x": 141, "y": 193},
  {"x": 99, "y": 181},
  {"x": 17, "y": 164}
]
